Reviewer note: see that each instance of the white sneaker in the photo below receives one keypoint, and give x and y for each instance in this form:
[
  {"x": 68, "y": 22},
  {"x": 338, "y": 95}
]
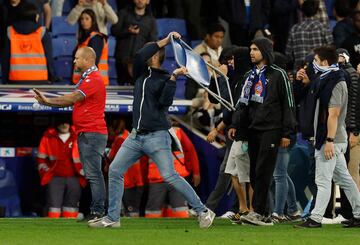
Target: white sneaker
[
  {"x": 206, "y": 218},
  {"x": 254, "y": 218},
  {"x": 105, "y": 222},
  {"x": 327, "y": 221},
  {"x": 192, "y": 213},
  {"x": 338, "y": 219},
  {"x": 227, "y": 215}
]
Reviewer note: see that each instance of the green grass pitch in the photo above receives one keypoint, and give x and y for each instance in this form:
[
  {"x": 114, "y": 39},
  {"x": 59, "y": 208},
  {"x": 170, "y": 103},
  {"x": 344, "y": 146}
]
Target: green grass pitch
[{"x": 166, "y": 231}]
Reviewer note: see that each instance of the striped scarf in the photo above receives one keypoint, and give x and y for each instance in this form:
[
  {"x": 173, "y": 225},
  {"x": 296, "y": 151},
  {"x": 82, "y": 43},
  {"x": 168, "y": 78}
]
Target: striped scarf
[
  {"x": 254, "y": 88},
  {"x": 85, "y": 74},
  {"x": 325, "y": 70}
]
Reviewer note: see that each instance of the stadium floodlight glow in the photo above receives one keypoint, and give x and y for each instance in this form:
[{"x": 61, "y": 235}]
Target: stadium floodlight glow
[{"x": 198, "y": 70}]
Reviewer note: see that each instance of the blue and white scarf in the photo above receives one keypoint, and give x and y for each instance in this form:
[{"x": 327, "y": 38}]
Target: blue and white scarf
[
  {"x": 85, "y": 74},
  {"x": 254, "y": 88},
  {"x": 325, "y": 70}
]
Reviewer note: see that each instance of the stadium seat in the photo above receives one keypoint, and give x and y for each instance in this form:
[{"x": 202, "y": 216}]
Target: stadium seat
[
  {"x": 169, "y": 64},
  {"x": 113, "y": 4},
  {"x": 195, "y": 43},
  {"x": 67, "y": 7},
  {"x": 112, "y": 69},
  {"x": 9, "y": 198},
  {"x": 64, "y": 46},
  {"x": 64, "y": 67},
  {"x": 167, "y": 25},
  {"x": 60, "y": 27},
  {"x": 180, "y": 88},
  {"x": 111, "y": 45}
]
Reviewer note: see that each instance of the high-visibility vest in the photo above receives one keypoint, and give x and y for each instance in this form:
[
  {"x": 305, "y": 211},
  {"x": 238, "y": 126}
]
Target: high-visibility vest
[
  {"x": 103, "y": 63},
  {"x": 154, "y": 175},
  {"x": 27, "y": 56}
]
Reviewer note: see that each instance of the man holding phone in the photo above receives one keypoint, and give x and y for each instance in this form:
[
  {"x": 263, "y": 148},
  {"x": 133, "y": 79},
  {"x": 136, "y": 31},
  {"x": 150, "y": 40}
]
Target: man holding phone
[{"x": 89, "y": 120}]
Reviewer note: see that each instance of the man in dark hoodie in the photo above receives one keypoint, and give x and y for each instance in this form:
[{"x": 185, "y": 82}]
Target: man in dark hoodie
[
  {"x": 330, "y": 137},
  {"x": 266, "y": 118},
  {"x": 153, "y": 94},
  {"x": 27, "y": 52}
]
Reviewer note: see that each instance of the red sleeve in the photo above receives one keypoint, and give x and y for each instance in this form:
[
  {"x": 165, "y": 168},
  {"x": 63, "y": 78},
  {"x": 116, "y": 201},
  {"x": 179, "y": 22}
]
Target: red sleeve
[
  {"x": 190, "y": 155},
  {"x": 90, "y": 85}
]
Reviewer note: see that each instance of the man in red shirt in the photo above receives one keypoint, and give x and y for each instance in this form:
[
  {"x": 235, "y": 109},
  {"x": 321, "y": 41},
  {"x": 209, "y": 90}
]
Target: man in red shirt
[{"x": 88, "y": 100}]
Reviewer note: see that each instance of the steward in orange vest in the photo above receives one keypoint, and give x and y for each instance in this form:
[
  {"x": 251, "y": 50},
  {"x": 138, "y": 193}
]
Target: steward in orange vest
[
  {"x": 60, "y": 169},
  {"x": 27, "y": 50},
  {"x": 101, "y": 61},
  {"x": 185, "y": 163}
]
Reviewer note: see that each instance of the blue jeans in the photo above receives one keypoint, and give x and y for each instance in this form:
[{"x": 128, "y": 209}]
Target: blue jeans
[
  {"x": 333, "y": 169},
  {"x": 284, "y": 187},
  {"x": 156, "y": 145},
  {"x": 91, "y": 149}
]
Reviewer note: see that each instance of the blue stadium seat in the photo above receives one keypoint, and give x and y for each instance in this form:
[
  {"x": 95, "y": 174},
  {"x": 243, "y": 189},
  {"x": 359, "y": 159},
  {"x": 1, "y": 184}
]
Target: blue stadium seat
[
  {"x": 64, "y": 67},
  {"x": 60, "y": 26},
  {"x": 167, "y": 25},
  {"x": 64, "y": 46},
  {"x": 332, "y": 24},
  {"x": 67, "y": 7},
  {"x": 180, "y": 88},
  {"x": 113, "y": 82},
  {"x": 9, "y": 198},
  {"x": 113, "y": 4},
  {"x": 112, "y": 69},
  {"x": 111, "y": 46},
  {"x": 169, "y": 51},
  {"x": 169, "y": 64},
  {"x": 195, "y": 43}
]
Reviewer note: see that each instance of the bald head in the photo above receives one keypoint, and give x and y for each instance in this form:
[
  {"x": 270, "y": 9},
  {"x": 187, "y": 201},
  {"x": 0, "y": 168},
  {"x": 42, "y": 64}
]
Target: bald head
[
  {"x": 84, "y": 58},
  {"x": 88, "y": 53}
]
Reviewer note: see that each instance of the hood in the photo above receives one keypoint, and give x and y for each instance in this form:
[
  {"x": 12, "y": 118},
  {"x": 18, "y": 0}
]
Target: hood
[
  {"x": 265, "y": 46},
  {"x": 25, "y": 27}
]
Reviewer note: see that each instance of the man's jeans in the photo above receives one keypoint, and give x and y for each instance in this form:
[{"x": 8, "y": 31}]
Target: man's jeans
[
  {"x": 284, "y": 187},
  {"x": 157, "y": 146},
  {"x": 335, "y": 169},
  {"x": 91, "y": 149}
]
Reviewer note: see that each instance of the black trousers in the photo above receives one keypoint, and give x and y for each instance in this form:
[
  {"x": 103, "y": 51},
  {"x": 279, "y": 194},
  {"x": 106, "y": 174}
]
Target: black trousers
[{"x": 263, "y": 149}]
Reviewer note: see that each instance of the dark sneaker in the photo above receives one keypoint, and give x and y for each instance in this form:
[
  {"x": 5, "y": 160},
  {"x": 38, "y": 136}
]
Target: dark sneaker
[
  {"x": 309, "y": 223},
  {"x": 236, "y": 218},
  {"x": 346, "y": 222},
  {"x": 94, "y": 217},
  {"x": 276, "y": 219},
  {"x": 295, "y": 217},
  {"x": 104, "y": 222},
  {"x": 352, "y": 223},
  {"x": 87, "y": 218}
]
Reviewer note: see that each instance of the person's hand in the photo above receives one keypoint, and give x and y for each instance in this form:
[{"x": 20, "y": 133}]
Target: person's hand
[
  {"x": 223, "y": 69},
  {"x": 180, "y": 71},
  {"x": 196, "y": 180},
  {"x": 329, "y": 150},
  {"x": 103, "y": 2},
  {"x": 302, "y": 76},
  {"x": 358, "y": 68},
  {"x": 353, "y": 140},
  {"x": 231, "y": 133},
  {"x": 174, "y": 34},
  {"x": 82, "y": 2},
  {"x": 212, "y": 135},
  {"x": 40, "y": 97},
  {"x": 284, "y": 142},
  {"x": 134, "y": 29}
]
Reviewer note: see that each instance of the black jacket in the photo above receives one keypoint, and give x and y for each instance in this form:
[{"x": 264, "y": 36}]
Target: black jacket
[
  {"x": 128, "y": 44},
  {"x": 277, "y": 111},
  {"x": 153, "y": 92}
]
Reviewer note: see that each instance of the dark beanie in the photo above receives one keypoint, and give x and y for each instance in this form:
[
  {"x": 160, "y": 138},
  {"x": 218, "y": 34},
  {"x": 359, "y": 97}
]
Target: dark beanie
[{"x": 265, "y": 46}]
